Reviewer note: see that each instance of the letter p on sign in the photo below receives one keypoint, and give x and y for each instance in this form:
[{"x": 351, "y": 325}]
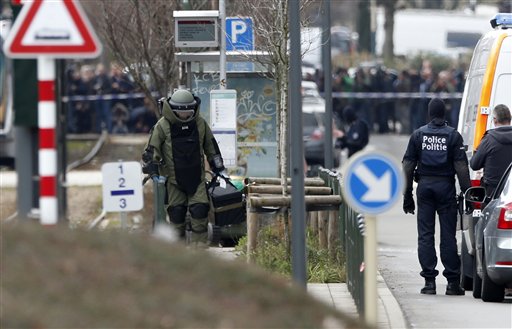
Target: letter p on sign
[{"x": 237, "y": 28}]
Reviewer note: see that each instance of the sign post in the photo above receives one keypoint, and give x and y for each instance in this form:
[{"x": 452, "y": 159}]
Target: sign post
[
  {"x": 373, "y": 183},
  {"x": 49, "y": 29}
]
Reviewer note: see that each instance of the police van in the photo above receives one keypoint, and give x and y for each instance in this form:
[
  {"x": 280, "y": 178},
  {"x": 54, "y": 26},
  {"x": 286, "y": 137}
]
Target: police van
[{"x": 489, "y": 83}]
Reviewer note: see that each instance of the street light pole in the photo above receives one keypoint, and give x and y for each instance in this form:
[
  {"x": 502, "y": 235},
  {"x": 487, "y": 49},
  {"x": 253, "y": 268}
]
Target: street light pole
[
  {"x": 222, "y": 36},
  {"x": 326, "y": 56},
  {"x": 297, "y": 150}
]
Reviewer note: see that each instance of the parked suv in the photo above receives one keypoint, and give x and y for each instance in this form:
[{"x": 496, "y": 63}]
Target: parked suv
[{"x": 492, "y": 266}]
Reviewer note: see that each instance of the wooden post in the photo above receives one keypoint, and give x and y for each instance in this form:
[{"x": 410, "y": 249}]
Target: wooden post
[
  {"x": 332, "y": 240},
  {"x": 322, "y": 228},
  {"x": 313, "y": 222},
  {"x": 252, "y": 231}
]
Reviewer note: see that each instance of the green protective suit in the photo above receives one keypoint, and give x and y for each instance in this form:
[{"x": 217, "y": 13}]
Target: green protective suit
[{"x": 179, "y": 148}]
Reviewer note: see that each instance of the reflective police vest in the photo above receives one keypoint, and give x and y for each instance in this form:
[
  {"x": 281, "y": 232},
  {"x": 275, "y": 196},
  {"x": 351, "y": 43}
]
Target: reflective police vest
[{"x": 435, "y": 151}]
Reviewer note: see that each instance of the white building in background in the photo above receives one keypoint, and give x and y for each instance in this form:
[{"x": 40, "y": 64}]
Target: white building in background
[{"x": 439, "y": 31}]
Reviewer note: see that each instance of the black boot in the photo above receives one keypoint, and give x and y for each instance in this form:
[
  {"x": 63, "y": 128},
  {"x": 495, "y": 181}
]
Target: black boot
[
  {"x": 430, "y": 287},
  {"x": 454, "y": 289}
]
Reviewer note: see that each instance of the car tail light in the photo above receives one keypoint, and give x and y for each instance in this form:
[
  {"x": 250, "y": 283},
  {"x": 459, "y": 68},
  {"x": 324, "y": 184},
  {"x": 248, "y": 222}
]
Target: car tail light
[
  {"x": 476, "y": 182},
  {"x": 317, "y": 134},
  {"x": 504, "y": 263},
  {"x": 505, "y": 218}
]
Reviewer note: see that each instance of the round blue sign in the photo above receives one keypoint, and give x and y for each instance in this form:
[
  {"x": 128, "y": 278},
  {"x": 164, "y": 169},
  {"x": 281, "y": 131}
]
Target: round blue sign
[{"x": 372, "y": 182}]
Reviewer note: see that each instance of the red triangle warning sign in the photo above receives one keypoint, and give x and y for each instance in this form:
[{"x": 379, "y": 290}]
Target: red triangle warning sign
[{"x": 54, "y": 28}]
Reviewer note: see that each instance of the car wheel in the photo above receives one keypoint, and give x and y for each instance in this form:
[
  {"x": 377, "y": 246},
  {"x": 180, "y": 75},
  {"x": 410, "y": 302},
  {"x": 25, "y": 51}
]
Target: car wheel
[
  {"x": 491, "y": 292},
  {"x": 477, "y": 282},
  {"x": 466, "y": 267}
]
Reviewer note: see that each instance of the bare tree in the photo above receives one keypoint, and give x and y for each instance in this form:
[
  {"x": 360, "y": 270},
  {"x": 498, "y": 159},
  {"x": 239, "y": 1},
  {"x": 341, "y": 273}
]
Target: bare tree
[
  {"x": 140, "y": 36},
  {"x": 389, "y": 27},
  {"x": 271, "y": 30}
]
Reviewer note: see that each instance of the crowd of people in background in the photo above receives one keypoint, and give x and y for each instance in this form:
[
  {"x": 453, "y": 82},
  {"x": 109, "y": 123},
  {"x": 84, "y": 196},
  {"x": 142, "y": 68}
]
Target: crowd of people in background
[
  {"x": 131, "y": 113},
  {"x": 383, "y": 115},
  {"x": 394, "y": 114}
]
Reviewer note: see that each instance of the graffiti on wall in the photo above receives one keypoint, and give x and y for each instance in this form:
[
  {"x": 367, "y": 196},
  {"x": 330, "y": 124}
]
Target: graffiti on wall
[{"x": 256, "y": 119}]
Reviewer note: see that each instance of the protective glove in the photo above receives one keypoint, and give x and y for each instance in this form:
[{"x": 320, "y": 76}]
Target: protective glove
[
  {"x": 150, "y": 169},
  {"x": 409, "y": 206},
  {"x": 341, "y": 142},
  {"x": 217, "y": 164}
]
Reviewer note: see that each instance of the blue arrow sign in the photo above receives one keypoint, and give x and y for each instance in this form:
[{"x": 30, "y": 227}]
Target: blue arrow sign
[{"x": 373, "y": 182}]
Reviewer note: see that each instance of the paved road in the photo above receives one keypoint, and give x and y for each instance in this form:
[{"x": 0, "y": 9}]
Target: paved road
[{"x": 398, "y": 264}]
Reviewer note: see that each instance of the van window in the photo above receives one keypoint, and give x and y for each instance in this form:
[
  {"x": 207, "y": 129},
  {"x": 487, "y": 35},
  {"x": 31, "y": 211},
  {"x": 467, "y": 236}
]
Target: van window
[
  {"x": 474, "y": 84},
  {"x": 503, "y": 94},
  {"x": 462, "y": 39}
]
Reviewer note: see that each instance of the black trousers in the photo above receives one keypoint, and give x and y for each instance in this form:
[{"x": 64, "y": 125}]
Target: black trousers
[{"x": 437, "y": 194}]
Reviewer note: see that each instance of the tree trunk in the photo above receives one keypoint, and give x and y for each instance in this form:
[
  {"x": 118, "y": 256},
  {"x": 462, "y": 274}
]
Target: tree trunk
[{"x": 389, "y": 26}]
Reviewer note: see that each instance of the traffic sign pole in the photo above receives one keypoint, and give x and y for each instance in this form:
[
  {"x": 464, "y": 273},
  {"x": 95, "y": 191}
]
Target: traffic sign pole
[
  {"x": 373, "y": 183},
  {"x": 46, "y": 30},
  {"x": 370, "y": 271},
  {"x": 47, "y": 119}
]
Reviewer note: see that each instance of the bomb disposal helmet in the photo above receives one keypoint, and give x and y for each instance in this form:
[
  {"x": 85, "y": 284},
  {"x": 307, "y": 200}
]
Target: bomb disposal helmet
[{"x": 183, "y": 100}]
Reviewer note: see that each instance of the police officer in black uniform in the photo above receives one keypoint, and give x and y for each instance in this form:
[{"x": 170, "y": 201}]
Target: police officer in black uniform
[
  {"x": 434, "y": 156},
  {"x": 356, "y": 137}
]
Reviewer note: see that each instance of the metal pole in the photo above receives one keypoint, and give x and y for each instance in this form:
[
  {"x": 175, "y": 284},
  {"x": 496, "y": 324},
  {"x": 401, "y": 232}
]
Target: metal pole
[
  {"x": 24, "y": 160},
  {"x": 297, "y": 150},
  {"x": 61, "y": 145},
  {"x": 370, "y": 272},
  {"x": 326, "y": 54},
  {"x": 123, "y": 219},
  {"x": 222, "y": 62}
]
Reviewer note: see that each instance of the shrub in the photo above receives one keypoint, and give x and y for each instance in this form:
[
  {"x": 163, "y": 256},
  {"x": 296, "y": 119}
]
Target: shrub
[{"x": 272, "y": 255}]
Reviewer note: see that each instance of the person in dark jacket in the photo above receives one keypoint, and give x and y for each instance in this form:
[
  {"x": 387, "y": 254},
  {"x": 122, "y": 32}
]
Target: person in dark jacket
[
  {"x": 436, "y": 153},
  {"x": 356, "y": 137},
  {"x": 494, "y": 154}
]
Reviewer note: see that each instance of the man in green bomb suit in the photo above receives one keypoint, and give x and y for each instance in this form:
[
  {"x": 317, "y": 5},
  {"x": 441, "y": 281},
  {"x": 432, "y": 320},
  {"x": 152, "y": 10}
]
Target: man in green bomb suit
[{"x": 176, "y": 148}]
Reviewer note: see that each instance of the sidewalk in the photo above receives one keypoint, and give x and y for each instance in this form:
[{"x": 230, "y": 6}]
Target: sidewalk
[{"x": 389, "y": 314}]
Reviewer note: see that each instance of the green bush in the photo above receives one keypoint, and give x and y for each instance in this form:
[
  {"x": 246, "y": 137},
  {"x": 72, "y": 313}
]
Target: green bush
[{"x": 272, "y": 255}]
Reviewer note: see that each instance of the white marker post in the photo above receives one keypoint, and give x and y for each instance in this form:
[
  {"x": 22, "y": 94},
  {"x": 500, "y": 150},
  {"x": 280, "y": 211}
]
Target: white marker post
[
  {"x": 370, "y": 271},
  {"x": 47, "y": 121}
]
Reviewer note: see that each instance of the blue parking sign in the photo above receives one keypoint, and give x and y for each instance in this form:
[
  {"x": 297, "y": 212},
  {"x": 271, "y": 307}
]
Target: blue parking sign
[
  {"x": 239, "y": 33},
  {"x": 373, "y": 182}
]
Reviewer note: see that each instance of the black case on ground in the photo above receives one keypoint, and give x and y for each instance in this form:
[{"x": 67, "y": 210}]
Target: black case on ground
[{"x": 227, "y": 203}]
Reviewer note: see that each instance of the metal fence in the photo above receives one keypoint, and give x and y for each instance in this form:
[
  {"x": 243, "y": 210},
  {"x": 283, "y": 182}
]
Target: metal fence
[{"x": 351, "y": 239}]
